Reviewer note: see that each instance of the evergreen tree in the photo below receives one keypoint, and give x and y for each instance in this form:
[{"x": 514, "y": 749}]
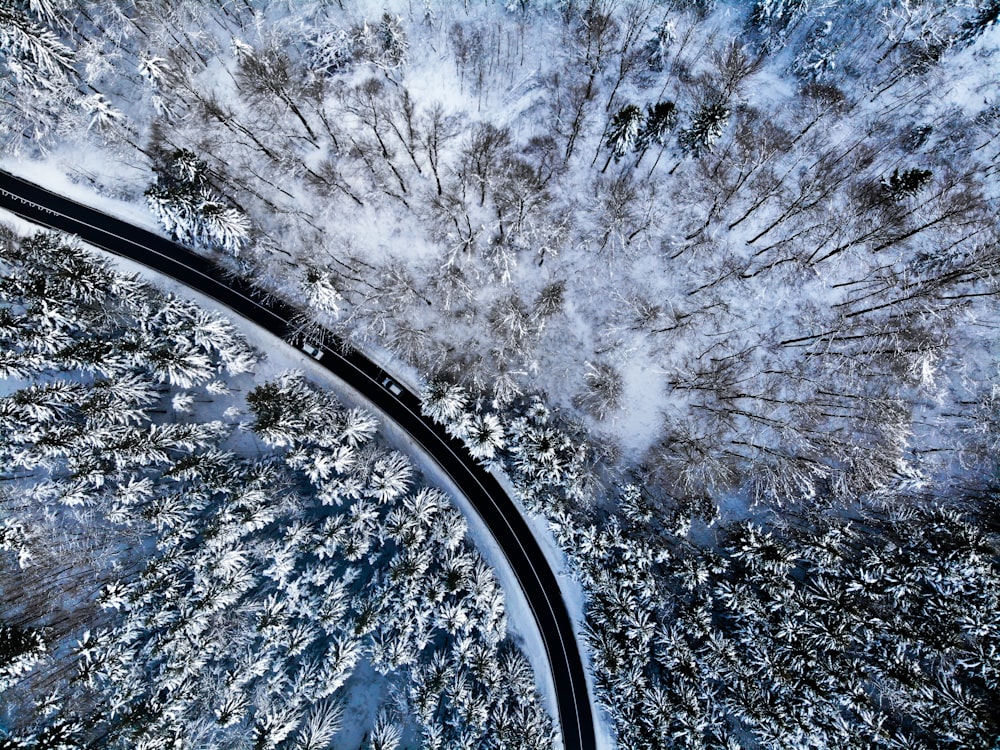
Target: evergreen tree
[
  {"x": 775, "y": 18},
  {"x": 484, "y": 436},
  {"x": 987, "y": 15},
  {"x": 288, "y": 411},
  {"x": 901, "y": 185},
  {"x": 660, "y": 119},
  {"x": 32, "y": 55},
  {"x": 444, "y": 402},
  {"x": 20, "y": 649},
  {"x": 189, "y": 209},
  {"x": 322, "y": 295},
  {"x": 657, "y": 48},
  {"x": 384, "y": 44},
  {"x": 817, "y": 59},
  {"x": 103, "y": 115},
  {"x": 705, "y": 129},
  {"x": 603, "y": 387},
  {"x": 623, "y": 132}
]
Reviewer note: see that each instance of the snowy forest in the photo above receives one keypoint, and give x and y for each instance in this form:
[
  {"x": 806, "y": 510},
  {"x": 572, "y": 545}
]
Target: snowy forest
[
  {"x": 712, "y": 283},
  {"x": 169, "y": 583}
]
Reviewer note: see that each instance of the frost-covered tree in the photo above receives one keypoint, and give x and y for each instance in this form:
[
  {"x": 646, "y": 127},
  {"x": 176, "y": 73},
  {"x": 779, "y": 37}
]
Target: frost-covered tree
[
  {"x": 623, "y": 132},
  {"x": 775, "y": 18},
  {"x": 603, "y": 388},
  {"x": 817, "y": 59},
  {"x": 550, "y": 299},
  {"x": 905, "y": 184},
  {"x": 390, "y": 477},
  {"x": 657, "y": 47},
  {"x": 484, "y": 436},
  {"x": 661, "y": 118},
  {"x": 320, "y": 726},
  {"x": 268, "y": 76},
  {"x": 322, "y": 295},
  {"x": 20, "y": 650},
  {"x": 705, "y": 129},
  {"x": 223, "y": 226},
  {"x": 191, "y": 211},
  {"x": 513, "y": 325},
  {"x": 330, "y": 51},
  {"x": 180, "y": 364},
  {"x": 154, "y": 69},
  {"x": 288, "y": 411},
  {"x": 444, "y": 402},
  {"x": 383, "y": 43},
  {"x": 386, "y": 733},
  {"x": 36, "y": 64}
]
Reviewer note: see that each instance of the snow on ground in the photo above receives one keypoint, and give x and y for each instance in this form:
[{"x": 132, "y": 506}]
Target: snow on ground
[
  {"x": 20, "y": 226},
  {"x": 365, "y": 690},
  {"x": 83, "y": 174},
  {"x": 973, "y": 73},
  {"x": 639, "y": 421}
]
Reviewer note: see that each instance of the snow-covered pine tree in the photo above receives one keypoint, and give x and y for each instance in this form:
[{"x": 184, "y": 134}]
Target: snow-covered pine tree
[
  {"x": 660, "y": 119},
  {"x": 223, "y": 227},
  {"x": 320, "y": 726},
  {"x": 775, "y": 18},
  {"x": 623, "y": 132},
  {"x": 20, "y": 650},
  {"x": 190, "y": 210},
  {"x": 705, "y": 129},
  {"x": 905, "y": 184},
  {"x": 288, "y": 410},
  {"x": 550, "y": 300},
  {"x": 603, "y": 389},
  {"x": 383, "y": 44},
  {"x": 484, "y": 436},
  {"x": 357, "y": 427},
  {"x": 103, "y": 116},
  {"x": 325, "y": 301},
  {"x": 393, "y": 42},
  {"x": 177, "y": 210},
  {"x": 180, "y": 365},
  {"x": 386, "y": 733},
  {"x": 444, "y": 402},
  {"x": 390, "y": 476},
  {"x": 817, "y": 59},
  {"x": 31, "y": 54},
  {"x": 657, "y": 47}
]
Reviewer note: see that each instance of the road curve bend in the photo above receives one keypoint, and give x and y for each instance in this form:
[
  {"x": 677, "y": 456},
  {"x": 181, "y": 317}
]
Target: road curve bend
[{"x": 498, "y": 511}]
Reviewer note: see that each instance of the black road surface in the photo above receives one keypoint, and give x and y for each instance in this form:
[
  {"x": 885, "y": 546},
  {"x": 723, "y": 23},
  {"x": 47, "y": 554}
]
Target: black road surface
[{"x": 505, "y": 523}]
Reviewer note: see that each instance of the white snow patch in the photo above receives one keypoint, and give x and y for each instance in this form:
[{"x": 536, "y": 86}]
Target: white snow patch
[
  {"x": 82, "y": 175},
  {"x": 640, "y": 420}
]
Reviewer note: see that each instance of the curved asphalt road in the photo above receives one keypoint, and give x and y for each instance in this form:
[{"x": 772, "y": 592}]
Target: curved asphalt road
[{"x": 484, "y": 492}]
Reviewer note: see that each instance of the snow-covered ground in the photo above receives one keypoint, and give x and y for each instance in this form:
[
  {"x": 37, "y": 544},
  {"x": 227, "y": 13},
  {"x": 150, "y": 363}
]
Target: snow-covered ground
[{"x": 71, "y": 176}]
